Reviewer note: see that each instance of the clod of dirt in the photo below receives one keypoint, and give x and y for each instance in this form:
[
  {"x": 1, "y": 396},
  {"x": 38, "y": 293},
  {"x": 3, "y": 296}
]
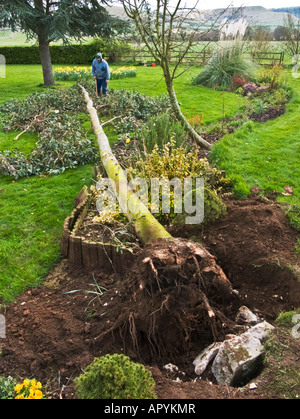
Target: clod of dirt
[{"x": 175, "y": 293}]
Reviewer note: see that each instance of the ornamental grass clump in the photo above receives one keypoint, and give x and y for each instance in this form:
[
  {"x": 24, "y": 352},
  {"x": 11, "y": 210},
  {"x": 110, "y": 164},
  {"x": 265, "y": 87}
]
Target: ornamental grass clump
[
  {"x": 226, "y": 63},
  {"x": 115, "y": 377}
]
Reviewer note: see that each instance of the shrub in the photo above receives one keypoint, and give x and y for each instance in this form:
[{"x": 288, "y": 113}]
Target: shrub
[
  {"x": 253, "y": 88},
  {"x": 115, "y": 377},
  {"x": 7, "y": 391},
  {"x": 82, "y": 54},
  {"x": 62, "y": 141},
  {"x": 225, "y": 64},
  {"x": 176, "y": 162},
  {"x": 132, "y": 107},
  {"x": 237, "y": 81},
  {"x": 273, "y": 76},
  {"x": 159, "y": 130},
  {"x": 62, "y": 145}
]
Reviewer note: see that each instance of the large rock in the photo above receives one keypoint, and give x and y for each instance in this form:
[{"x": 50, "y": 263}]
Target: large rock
[{"x": 239, "y": 359}]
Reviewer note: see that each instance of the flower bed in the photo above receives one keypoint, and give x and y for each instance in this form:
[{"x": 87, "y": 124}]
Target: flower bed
[{"x": 87, "y": 247}]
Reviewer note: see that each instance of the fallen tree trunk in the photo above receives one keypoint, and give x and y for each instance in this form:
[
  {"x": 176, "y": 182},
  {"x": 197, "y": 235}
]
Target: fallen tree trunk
[
  {"x": 147, "y": 228},
  {"x": 173, "y": 281}
]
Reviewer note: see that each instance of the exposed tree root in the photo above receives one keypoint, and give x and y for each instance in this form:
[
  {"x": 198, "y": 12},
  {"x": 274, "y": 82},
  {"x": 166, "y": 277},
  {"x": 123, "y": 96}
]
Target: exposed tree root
[{"x": 174, "y": 293}]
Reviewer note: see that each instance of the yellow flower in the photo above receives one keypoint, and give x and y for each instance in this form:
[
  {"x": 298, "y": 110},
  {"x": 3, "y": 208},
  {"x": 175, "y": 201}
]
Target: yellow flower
[
  {"x": 18, "y": 388},
  {"x": 26, "y": 383},
  {"x": 38, "y": 394},
  {"x": 21, "y": 397},
  {"x": 128, "y": 140}
]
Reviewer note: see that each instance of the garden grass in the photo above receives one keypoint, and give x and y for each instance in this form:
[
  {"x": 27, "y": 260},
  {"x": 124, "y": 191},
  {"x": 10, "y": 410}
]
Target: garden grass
[
  {"x": 212, "y": 105},
  {"x": 266, "y": 155},
  {"x": 33, "y": 210},
  {"x": 21, "y": 81}
]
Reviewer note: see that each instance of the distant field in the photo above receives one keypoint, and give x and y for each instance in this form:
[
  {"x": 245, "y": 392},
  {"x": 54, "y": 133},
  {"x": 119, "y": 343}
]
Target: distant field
[
  {"x": 10, "y": 39},
  {"x": 16, "y": 39}
]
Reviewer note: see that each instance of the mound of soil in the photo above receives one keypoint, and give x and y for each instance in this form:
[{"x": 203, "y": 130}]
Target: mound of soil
[
  {"x": 270, "y": 114},
  {"x": 54, "y": 331}
]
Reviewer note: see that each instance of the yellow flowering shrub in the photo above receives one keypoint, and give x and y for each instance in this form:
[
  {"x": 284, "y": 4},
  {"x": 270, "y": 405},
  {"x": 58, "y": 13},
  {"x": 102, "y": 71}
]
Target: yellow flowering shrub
[
  {"x": 172, "y": 162},
  {"x": 29, "y": 389}
]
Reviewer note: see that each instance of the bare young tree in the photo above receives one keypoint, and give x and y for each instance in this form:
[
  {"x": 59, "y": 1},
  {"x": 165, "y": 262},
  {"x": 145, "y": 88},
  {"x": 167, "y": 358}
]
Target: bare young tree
[
  {"x": 161, "y": 32},
  {"x": 292, "y": 33}
]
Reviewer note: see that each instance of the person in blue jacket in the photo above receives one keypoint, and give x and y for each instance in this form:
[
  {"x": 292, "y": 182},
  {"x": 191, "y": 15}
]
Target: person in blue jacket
[{"x": 101, "y": 73}]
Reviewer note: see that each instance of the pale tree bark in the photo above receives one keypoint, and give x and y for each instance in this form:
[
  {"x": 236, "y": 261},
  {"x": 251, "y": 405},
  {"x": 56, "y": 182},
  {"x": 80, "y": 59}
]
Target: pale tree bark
[
  {"x": 157, "y": 30},
  {"x": 147, "y": 228}
]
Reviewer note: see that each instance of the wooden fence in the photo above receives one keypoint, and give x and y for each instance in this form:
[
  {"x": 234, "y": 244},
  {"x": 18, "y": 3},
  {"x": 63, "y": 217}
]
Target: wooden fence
[
  {"x": 143, "y": 57},
  {"x": 192, "y": 58},
  {"x": 268, "y": 58}
]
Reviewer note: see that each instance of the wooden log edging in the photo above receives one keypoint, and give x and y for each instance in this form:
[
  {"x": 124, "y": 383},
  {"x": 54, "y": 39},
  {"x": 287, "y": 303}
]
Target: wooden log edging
[{"x": 84, "y": 253}]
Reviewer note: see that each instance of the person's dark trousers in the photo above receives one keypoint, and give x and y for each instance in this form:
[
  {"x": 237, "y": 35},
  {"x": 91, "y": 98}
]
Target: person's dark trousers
[{"x": 101, "y": 86}]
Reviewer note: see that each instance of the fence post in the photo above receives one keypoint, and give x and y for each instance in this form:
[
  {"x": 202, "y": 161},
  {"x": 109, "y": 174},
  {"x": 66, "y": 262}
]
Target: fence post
[
  {"x": 2, "y": 327},
  {"x": 2, "y": 67}
]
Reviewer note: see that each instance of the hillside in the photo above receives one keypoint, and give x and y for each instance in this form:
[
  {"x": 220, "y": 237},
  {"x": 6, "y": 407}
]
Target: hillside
[
  {"x": 256, "y": 15},
  {"x": 293, "y": 10}
]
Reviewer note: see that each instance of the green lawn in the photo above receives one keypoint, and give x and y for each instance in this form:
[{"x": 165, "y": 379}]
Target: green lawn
[
  {"x": 266, "y": 155},
  {"x": 32, "y": 209},
  {"x": 21, "y": 80},
  {"x": 193, "y": 99},
  {"x": 32, "y": 215}
]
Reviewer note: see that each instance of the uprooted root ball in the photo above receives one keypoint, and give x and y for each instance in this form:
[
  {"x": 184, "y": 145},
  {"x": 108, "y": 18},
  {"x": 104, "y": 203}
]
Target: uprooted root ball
[{"x": 175, "y": 293}]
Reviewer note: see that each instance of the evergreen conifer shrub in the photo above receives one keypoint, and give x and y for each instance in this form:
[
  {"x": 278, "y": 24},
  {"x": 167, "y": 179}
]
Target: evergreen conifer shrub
[{"x": 115, "y": 377}]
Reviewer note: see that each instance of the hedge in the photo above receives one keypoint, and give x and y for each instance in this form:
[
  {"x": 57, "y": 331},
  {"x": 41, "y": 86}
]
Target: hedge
[{"x": 68, "y": 54}]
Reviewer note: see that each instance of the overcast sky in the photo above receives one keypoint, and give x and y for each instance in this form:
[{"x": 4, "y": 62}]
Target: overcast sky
[
  {"x": 222, "y": 4},
  {"x": 268, "y": 4}
]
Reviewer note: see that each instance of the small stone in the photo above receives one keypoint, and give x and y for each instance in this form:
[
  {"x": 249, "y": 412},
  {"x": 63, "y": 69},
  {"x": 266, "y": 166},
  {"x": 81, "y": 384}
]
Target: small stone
[
  {"x": 245, "y": 316},
  {"x": 171, "y": 367}
]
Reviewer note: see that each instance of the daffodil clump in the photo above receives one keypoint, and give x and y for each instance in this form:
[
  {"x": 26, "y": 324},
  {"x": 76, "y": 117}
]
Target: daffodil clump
[
  {"x": 29, "y": 389},
  {"x": 79, "y": 73},
  {"x": 72, "y": 73},
  {"x": 123, "y": 72}
]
